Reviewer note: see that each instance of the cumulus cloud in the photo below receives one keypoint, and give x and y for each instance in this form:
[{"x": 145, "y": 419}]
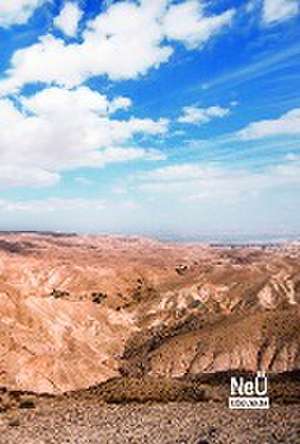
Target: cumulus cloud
[
  {"x": 17, "y": 12},
  {"x": 47, "y": 141},
  {"x": 275, "y": 11},
  {"x": 196, "y": 115},
  {"x": 68, "y": 19},
  {"x": 133, "y": 34},
  {"x": 186, "y": 22},
  {"x": 287, "y": 124},
  {"x": 119, "y": 103}
]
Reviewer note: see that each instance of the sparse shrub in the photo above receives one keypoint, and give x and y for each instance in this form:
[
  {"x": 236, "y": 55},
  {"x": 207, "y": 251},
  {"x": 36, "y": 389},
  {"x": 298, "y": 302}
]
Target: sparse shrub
[
  {"x": 98, "y": 297},
  {"x": 27, "y": 403},
  {"x": 181, "y": 269},
  {"x": 57, "y": 294}
]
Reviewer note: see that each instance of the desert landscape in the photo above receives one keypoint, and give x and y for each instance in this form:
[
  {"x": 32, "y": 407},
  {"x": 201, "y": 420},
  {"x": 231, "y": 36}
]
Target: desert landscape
[
  {"x": 129, "y": 339},
  {"x": 149, "y": 222}
]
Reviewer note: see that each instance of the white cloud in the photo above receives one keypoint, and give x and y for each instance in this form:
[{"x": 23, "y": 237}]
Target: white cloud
[
  {"x": 213, "y": 199},
  {"x": 119, "y": 103},
  {"x": 132, "y": 34},
  {"x": 17, "y": 175},
  {"x": 178, "y": 173},
  {"x": 196, "y": 115},
  {"x": 17, "y": 12},
  {"x": 128, "y": 33},
  {"x": 186, "y": 22},
  {"x": 54, "y": 100},
  {"x": 208, "y": 182},
  {"x": 288, "y": 124},
  {"x": 147, "y": 126},
  {"x": 68, "y": 19},
  {"x": 115, "y": 155},
  {"x": 275, "y": 11},
  {"x": 58, "y": 130}
]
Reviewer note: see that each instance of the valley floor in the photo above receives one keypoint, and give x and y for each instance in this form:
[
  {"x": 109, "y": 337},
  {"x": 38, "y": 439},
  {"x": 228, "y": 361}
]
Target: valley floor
[{"x": 82, "y": 422}]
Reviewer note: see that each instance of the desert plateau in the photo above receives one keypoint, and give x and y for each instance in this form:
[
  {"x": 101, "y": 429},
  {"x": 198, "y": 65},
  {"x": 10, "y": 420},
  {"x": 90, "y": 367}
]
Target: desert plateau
[{"x": 129, "y": 339}]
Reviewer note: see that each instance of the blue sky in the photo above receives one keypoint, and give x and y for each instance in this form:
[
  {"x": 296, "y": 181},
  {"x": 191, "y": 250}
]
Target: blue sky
[{"x": 157, "y": 117}]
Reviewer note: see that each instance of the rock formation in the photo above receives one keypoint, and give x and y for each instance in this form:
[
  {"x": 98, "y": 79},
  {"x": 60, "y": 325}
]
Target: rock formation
[{"x": 76, "y": 311}]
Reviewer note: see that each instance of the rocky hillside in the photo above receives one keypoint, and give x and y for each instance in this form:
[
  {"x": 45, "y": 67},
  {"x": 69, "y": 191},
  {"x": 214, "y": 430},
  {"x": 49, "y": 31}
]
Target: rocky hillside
[{"x": 76, "y": 311}]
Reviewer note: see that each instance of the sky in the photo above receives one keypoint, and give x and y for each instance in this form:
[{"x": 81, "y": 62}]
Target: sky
[{"x": 169, "y": 118}]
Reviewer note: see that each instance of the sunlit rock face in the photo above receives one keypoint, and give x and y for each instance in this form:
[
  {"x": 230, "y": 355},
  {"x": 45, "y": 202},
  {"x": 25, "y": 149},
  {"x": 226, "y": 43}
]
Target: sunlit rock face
[{"x": 76, "y": 311}]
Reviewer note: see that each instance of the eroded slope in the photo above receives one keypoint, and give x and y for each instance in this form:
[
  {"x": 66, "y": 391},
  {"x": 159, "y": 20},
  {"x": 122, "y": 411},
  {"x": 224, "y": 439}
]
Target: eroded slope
[{"x": 78, "y": 310}]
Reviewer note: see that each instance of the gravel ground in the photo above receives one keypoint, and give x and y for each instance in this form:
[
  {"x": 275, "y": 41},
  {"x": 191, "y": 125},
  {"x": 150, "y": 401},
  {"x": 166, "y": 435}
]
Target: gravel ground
[{"x": 181, "y": 423}]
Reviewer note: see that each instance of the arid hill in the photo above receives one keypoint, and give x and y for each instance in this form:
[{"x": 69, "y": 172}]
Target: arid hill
[{"x": 76, "y": 311}]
